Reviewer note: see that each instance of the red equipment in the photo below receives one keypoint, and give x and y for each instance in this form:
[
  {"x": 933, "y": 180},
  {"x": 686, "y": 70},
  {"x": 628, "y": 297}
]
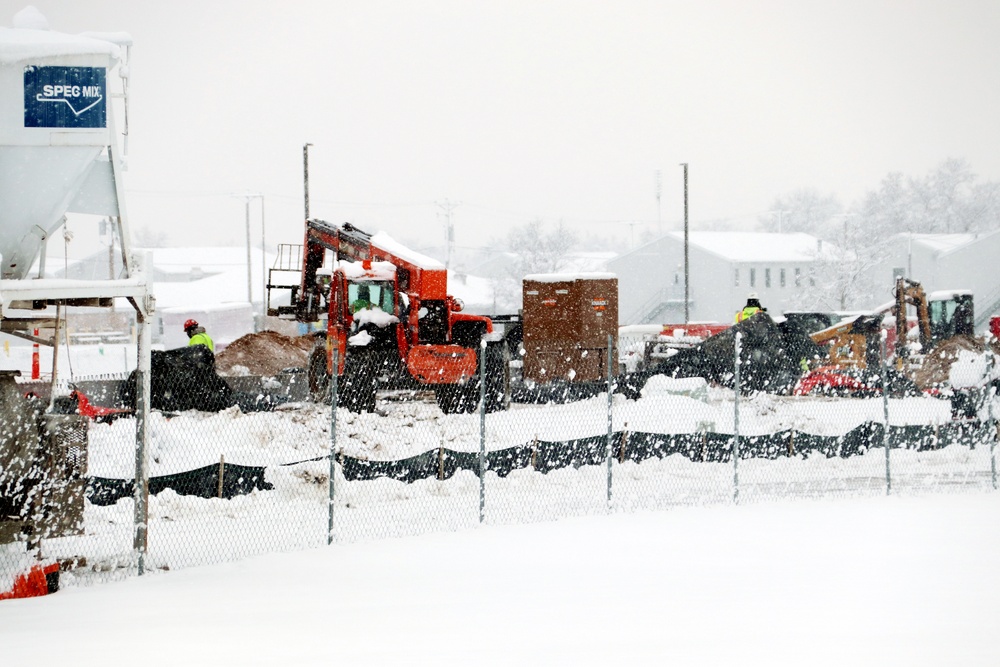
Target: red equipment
[
  {"x": 389, "y": 314},
  {"x": 98, "y": 413},
  {"x": 38, "y": 580},
  {"x": 834, "y": 380}
]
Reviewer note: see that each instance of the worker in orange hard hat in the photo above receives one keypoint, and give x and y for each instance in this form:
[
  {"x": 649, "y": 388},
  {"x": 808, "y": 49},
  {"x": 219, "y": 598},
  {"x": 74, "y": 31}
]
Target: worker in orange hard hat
[
  {"x": 197, "y": 336},
  {"x": 752, "y": 308}
]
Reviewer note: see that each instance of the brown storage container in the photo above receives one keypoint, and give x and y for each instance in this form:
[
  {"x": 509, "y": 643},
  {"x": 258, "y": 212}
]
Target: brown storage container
[{"x": 567, "y": 321}]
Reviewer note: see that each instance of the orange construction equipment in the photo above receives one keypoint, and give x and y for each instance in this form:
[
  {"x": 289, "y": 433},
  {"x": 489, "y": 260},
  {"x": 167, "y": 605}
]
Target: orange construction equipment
[
  {"x": 39, "y": 580},
  {"x": 389, "y": 315},
  {"x": 35, "y": 365}
]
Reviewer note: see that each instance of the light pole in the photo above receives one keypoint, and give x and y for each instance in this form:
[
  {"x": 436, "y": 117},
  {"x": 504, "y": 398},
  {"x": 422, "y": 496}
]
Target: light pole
[
  {"x": 687, "y": 288},
  {"x": 246, "y": 207},
  {"x": 448, "y": 207},
  {"x": 263, "y": 266},
  {"x": 659, "y": 192},
  {"x": 305, "y": 176}
]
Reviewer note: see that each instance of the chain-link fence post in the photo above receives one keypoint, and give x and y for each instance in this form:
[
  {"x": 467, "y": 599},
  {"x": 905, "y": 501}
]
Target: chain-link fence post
[
  {"x": 609, "y": 445},
  {"x": 482, "y": 430},
  {"x": 885, "y": 414},
  {"x": 993, "y": 444},
  {"x": 333, "y": 442},
  {"x": 994, "y": 426},
  {"x": 736, "y": 417},
  {"x": 140, "y": 541}
]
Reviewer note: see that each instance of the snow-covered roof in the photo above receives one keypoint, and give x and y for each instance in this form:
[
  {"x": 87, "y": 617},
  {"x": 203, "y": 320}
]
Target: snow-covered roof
[
  {"x": 568, "y": 277},
  {"x": 474, "y": 291},
  {"x": 943, "y": 243},
  {"x": 210, "y": 259},
  {"x": 30, "y": 39},
  {"x": 224, "y": 270},
  {"x": 759, "y": 246},
  {"x": 948, "y": 294},
  {"x": 386, "y": 242}
]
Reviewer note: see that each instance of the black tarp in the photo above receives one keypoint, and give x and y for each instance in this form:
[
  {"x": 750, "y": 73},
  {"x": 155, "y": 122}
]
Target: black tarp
[
  {"x": 544, "y": 456},
  {"x": 237, "y": 480},
  {"x": 185, "y": 379},
  {"x": 770, "y": 358}
]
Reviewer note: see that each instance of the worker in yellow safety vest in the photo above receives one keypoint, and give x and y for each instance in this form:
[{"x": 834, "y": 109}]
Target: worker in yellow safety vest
[
  {"x": 752, "y": 308},
  {"x": 197, "y": 336}
]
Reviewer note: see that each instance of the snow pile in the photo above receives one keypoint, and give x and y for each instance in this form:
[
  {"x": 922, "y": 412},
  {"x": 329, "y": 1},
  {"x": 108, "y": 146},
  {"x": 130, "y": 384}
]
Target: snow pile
[
  {"x": 31, "y": 39},
  {"x": 970, "y": 369},
  {"x": 935, "y": 369},
  {"x": 375, "y": 270},
  {"x": 375, "y": 316},
  {"x": 389, "y": 244}
]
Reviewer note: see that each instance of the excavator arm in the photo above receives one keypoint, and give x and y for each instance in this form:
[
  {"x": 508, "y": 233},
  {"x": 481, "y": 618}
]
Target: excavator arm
[{"x": 910, "y": 292}]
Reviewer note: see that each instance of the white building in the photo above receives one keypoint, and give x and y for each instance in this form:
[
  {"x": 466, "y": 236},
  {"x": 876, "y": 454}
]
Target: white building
[
  {"x": 947, "y": 262},
  {"x": 724, "y": 267},
  {"x": 208, "y": 284}
]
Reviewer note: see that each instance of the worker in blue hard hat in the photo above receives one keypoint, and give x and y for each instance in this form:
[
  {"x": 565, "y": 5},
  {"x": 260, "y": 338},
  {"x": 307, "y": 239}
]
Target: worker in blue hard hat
[
  {"x": 197, "y": 336},
  {"x": 752, "y": 308}
]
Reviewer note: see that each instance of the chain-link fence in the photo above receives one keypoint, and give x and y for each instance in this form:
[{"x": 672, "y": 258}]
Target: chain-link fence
[{"x": 240, "y": 466}]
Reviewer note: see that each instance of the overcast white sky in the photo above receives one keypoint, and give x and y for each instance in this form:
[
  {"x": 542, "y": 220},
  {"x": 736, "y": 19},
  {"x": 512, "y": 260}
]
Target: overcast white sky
[{"x": 517, "y": 110}]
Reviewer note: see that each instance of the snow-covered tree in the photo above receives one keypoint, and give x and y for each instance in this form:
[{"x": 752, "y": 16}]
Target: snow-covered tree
[
  {"x": 527, "y": 249},
  {"x": 946, "y": 201},
  {"x": 803, "y": 210}
]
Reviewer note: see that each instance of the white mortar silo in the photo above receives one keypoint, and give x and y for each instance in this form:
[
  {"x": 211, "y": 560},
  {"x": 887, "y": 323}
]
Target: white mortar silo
[{"x": 57, "y": 138}]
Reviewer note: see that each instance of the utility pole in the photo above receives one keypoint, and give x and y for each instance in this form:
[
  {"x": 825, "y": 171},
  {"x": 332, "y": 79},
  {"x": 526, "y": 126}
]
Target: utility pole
[
  {"x": 263, "y": 295},
  {"x": 263, "y": 266},
  {"x": 631, "y": 229},
  {"x": 687, "y": 287},
  {"x": 305, "y": 175},
  {"x": 246, "y": 208},
  {"x": 448, "y": 207},
  {"x": 659, "y": 192}
]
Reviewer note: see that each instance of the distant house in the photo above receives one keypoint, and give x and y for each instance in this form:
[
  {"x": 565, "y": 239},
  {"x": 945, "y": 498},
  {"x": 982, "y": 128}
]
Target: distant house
[
  {"x": 724, "y": 267},
  {"x": 946, "y": 262}
]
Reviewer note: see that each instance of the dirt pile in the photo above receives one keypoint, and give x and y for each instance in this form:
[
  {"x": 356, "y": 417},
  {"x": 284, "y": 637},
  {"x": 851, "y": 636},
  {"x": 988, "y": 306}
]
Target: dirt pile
[
  {"x": 265, "y": 353},
  {"x": 937, "y": 364}
]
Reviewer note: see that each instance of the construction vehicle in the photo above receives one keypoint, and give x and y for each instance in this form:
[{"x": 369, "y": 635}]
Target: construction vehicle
[
  {"x": 940, "y": 316},
  {"x": 854, "y": 344},
  {"x": 389, "y": 320}
]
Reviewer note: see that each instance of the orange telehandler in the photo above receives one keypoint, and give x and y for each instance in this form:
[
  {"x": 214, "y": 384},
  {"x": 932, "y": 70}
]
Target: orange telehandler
[{"x": 390, "y": 320}]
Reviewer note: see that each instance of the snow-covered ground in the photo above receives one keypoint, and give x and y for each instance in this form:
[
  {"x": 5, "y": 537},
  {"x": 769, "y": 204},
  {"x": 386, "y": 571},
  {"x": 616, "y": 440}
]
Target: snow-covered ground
[
  {"x": 88, "y": 361},
  {"x": 877, "y": 581}
]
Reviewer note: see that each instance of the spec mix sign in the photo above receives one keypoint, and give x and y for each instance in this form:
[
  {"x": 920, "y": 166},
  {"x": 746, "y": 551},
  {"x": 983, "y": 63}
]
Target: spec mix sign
[{"x": 65, "y": 97}]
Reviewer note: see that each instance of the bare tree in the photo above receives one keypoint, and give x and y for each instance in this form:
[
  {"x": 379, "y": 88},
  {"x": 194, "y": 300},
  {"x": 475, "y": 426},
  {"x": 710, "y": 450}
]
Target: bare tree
[
  {"x": 803, "y": 210},
  {"x": 539, "y": 251},
  {"x": 526, "y": 249},
  {"x": 946, "y": 201}
]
